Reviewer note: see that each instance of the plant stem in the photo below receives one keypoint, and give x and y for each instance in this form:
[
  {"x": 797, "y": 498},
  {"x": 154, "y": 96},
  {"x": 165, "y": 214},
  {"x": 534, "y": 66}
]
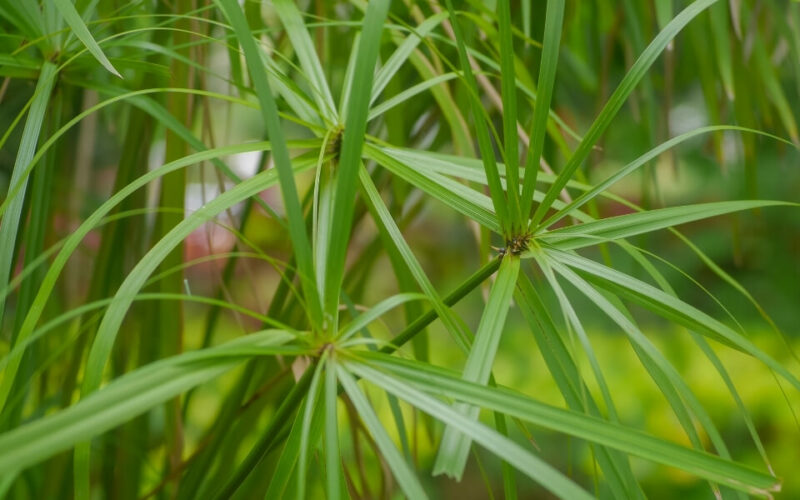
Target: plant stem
[{"x": 452, "y": 298}]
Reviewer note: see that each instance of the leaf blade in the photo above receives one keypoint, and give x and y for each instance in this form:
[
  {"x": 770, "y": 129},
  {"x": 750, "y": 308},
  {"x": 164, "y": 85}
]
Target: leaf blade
[
  {"x": 74, "y": 20},
  {"x": 632, "y": 441},
  {"x": 615, "y": 102},
  {"x": 454, "y": 448},
  {"x": 350, "y": 157}
]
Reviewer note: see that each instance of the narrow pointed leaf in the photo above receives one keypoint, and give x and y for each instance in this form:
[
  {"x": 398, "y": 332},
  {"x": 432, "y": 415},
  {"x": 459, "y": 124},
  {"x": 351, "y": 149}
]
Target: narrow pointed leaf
[
  {"x": 11, "y": 218},
  {"x": 625, "y": 226},
  {"x": 128, "y": 396},
  {"x": 280, "y": 153},
  {"x": 350, "y": 158},
  {"x": 403, "y": 473},
  {"x": 551, "y": 42},
  {"x": 615, "y": 465},
  {"x": 377, "y": 311},
  {"x": 401, "y": 55},
  {"x": 484, "y": 140},
  {"x": 642, "y": 160},
  {"x": 74, "y": 20},
  {"x": 632, "y": 441},
  {"x": 304, "y": 48},
  {"x": 669, "y": 307},
  {"x": 508, "y": 81},
  {"x": 617, "y": 99},
  {"x": 454, "y": 448},
  {"x": 520, "y": 458}
]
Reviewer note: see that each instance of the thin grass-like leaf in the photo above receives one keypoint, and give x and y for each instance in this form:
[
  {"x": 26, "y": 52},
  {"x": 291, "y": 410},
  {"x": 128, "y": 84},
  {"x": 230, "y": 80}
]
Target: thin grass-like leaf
[
  {"x": 12, "y": 217},
  {"x": 408, "y": 94},
  {"x": 508, "y": 81},
  {"x": 642, "y": 160},
  {"x": 376, "y": 312},
  {"x": 382, "y": 217},
  {"x": 350, "y": 157},
  {"x": 514, "y": 454},
  {"x": 669, "y": 307},
  {"x": 615, "y": 465},
  {"x": 283, "y": 164},
  {"x": 74, "y": 20},
  {"x": 454, "y": 448},
  {"x": 286, "y": 467},
  {"x": 445, "y": 383},
  {"x": 551, "y": 42},
  {"x": 309, "y": 433},
  {"x": 499, "y": 201},
  {"x": 680, "y": 397},
  {"x": 127, "y": 397},
  {"x": 617, "y": 99},
  {"x": 456, "y": 195},
  {"x": 401, "y": 55},
  {"x": 304, "y": 48},
  {"x": 333, "y": 468},
  {"x": 720, "y": 29},
  {"x": 400, "y": 468},
  {"x": 625, "y": 226}
]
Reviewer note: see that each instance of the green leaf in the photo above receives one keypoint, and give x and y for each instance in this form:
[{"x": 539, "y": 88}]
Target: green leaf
[
  {"x": 75, "y": 22},
  {"x": 768, "y": 75},
  {"x": 547, "y": 75},
  {"x": 499, "y": 201},
  {"x": 11, "y": 218},
  {"x": 721, "y": 36},
  {"x": 285, "y": 468},
  {"x": 642, "y": 160},
  {"x": 615, "y": 466},
  {"x": 311, "y": 427},
  {"x": 128, "y": 396},
  {"x": 400, "y": 468},
  {"x": 524, "y": 461},
  {"x": 383, "y": 219},
  {"x": 632, "y": 441},
  {"x": 136, "y": 278},
  {"x": 350, "y": 157},
  {"x": 333, "y": 466},
  {"x": 376, "y": 312},
  {"x": 508, "y": 82},
  {"x": 404, "y": 50},
  {"x": 110, "y": 324},
  {"x": 280, "y": 154},
  {"x": 462, "y": 138},
  {"x": 677, "y": 392},
  {"x": 669, "y": 307},
  {"x": 242, "y": 191},
  {"x": 624, "y": 226},
  {"x": 454, "y": 448},
  {"x": 617, "y": 99},
  {"x": 304, "y": 48},
  {"x": 459, "y": 197},
  {"x": 408, "y": 94},
  {"x": 268, "y": 438}
]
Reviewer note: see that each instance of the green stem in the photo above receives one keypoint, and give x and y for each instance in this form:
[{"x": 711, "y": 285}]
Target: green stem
[{"x": 456, "y": 295}]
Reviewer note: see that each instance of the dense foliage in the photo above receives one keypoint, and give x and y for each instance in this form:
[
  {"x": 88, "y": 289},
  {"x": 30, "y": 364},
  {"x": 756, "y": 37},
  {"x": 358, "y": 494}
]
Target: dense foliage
[{"x": 301, "y": 249}]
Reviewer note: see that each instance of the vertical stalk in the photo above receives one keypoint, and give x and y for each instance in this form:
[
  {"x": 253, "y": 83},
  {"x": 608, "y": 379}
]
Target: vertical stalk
[{"x": 172, "y": 195}]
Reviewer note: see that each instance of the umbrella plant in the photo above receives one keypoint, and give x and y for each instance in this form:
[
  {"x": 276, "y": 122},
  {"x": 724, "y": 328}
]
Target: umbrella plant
[{"x": 371, "y": 112}]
